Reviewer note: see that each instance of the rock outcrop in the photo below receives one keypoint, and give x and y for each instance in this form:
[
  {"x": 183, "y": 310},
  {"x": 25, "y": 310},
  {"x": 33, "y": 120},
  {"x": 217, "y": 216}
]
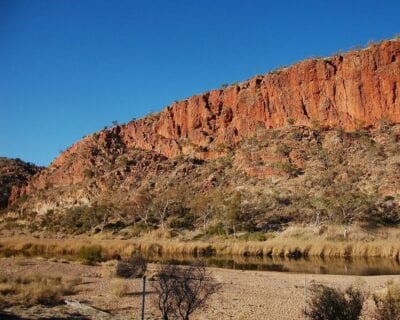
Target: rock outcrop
[
  {"x": 355, "y": 90},
  {"x": 14, "y": 173}
]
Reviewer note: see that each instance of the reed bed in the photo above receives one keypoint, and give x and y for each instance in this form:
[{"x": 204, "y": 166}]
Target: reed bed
[{"x": 115, "y": 249}]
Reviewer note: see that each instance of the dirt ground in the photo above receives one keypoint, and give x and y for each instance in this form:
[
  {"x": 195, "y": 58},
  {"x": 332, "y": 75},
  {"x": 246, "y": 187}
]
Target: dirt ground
[{"x": 245, "y": 294}]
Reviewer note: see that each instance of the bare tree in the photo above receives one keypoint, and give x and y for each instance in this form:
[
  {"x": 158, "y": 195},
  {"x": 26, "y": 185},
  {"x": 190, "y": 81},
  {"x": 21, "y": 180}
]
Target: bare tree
[
  {"x": 183, "y": 290},
  {"x": 196, "y": 285},
  {"x": 163, "y": 213},
  {"x": 165, "y": 287}
]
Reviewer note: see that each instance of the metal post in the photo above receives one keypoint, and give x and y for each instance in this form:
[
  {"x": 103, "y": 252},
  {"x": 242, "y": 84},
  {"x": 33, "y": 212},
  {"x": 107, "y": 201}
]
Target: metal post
[
  {"x": 143, "y": 296},
  {"x": 305, "y": 298}
]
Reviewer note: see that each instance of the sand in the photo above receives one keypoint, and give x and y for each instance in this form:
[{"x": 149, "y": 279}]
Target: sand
[{"x": 245, "y": 294}]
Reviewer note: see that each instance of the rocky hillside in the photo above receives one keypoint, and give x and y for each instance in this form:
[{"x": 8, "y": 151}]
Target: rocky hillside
[
  {"x": 322, "y": 128},
  {"x": 14, "y": 173}
]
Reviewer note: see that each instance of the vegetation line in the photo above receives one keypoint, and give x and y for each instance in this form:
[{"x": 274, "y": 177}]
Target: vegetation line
[{"x": 115, "y": 249}]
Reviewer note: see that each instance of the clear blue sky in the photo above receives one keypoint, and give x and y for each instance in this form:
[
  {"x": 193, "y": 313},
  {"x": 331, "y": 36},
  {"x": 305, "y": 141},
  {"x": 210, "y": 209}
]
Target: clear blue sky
[{"x": 68, "y": 68}]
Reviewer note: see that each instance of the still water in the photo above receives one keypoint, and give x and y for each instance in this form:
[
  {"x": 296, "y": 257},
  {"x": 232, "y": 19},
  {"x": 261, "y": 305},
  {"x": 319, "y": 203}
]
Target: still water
[{"x": 310, "y": 265}]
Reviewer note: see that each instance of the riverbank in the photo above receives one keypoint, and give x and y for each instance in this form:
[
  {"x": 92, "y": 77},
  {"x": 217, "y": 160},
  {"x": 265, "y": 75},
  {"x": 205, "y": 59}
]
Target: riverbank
[
  {"x": 245, "y": 294},
  {"x": 294, "y": 243}
]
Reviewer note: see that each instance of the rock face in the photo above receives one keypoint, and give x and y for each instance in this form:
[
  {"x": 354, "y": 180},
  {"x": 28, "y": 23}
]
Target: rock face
[
  {"x": 355, "y": 90},
  {"x": 14, "y": 173}
]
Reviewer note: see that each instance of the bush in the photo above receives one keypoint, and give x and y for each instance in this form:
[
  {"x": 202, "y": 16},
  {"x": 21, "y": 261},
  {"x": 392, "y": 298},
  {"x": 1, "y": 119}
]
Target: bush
[
  {"x": 91, "y": 255},
  {"x": 88, "y": 173},
  {"x": 283, "y": 149},
  {"x": 288, "y": 168},
  {"x": 333, "y": 304},
  {"x": 134, "y": 267},
  {"x": 32, "y": 290},
  {"x": 216, "y": 230},
  {"x": 388, "y": 305},
  {"x": 254, "y": 236},
  {"x": 82, "y": 218},
  {"x": 182, "y": 223},
  {"x": 290, "y": 121},
  {"x": 119, "y": 287},
  {"x": 180, "y": 291}
]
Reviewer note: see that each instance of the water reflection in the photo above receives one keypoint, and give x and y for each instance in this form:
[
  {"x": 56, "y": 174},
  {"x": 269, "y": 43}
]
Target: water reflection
[{"x": 311, "y": 265}]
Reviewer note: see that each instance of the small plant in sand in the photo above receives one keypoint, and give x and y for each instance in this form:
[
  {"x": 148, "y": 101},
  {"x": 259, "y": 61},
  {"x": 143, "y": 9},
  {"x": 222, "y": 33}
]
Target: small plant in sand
[
  {"x": 180, "y": 291},
  {"x": 387, "y": 305},
  {"x": 134, "y": 267},
  {"x": 333, "y": 304}
]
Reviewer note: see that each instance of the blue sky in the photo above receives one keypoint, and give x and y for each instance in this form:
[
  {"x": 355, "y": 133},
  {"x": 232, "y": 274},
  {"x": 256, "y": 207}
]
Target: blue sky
[{"x": 68, "y": 68}]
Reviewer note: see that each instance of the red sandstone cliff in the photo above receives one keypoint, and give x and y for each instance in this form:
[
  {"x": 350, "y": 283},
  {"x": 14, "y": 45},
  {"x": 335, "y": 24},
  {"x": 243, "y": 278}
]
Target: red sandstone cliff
[{"x": 357, "y": 89}]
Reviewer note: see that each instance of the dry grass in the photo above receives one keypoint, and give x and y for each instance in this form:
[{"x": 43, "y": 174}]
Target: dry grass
[
  {"x": 119, "y": 287},
  {"x": 32, "y": 290},
  {"x": 295, "y": 241}
]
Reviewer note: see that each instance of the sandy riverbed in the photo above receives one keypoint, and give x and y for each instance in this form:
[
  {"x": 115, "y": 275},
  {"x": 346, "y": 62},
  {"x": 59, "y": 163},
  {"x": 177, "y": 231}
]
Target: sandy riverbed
[{"x": 245, "y": 294}]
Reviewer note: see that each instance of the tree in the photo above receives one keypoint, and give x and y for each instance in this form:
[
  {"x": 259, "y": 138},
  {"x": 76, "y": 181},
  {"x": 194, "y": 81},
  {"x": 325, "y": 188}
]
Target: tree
[
  {"x": 142, "y": 203},
  {"x": 202, "y": 207},
  {"x": 229, "y": 208},
  {"x": 182, "y": 290},
  {"x": 164, "y": 287},
  {"x": 196, "y": 285}
]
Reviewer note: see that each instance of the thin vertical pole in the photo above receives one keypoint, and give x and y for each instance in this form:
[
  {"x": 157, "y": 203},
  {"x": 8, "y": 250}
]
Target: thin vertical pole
[
  {"x": 305, "y": 298},
  {"x": 143, "y": 296}
]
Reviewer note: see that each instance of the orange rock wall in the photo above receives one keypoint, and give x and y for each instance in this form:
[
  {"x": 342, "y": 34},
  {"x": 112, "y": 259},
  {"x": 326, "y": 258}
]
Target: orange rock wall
[{"x": 357, "y": 89}]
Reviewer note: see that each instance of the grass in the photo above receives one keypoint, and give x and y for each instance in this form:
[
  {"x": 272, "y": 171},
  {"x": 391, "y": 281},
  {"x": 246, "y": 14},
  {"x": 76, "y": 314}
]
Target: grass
[
  {"x": 32, "y": 290},
  {"x": 295, "y": 241}
]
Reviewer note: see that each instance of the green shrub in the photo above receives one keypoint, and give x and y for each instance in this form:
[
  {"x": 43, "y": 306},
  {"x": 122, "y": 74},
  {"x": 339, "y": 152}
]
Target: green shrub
[
  {"x": 291, "y": 121},
  {"x": 217, "y": 229},
  {"x": 83, "y": 218},
  {"x": 91, "y": 255},
  {"x": 185, "y": 222},
  {"x": 254, "y": 236}
]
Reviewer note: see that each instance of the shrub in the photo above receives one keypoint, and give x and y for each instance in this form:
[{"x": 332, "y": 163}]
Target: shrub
[
  {"x": 91, "y": 255},
  {"x": 184, "y": 222},
  {"x": 119, "y": 287},
  {"x": 182, "y": 290},
  {"x": 333, "y": 304},
  {"x": 88, "y": 173},
  {"x": 254, "y": 236},
  {"x": 387, "y": 306},
  {"x": 81, "y": 219},
  {"x": 215, "y": 230},
  {"x": 134, "y": 267},
  {"x": 290, "y": 121},
  {"x": 289, "y": 168},
  {"x": 283, "y": 149}
]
